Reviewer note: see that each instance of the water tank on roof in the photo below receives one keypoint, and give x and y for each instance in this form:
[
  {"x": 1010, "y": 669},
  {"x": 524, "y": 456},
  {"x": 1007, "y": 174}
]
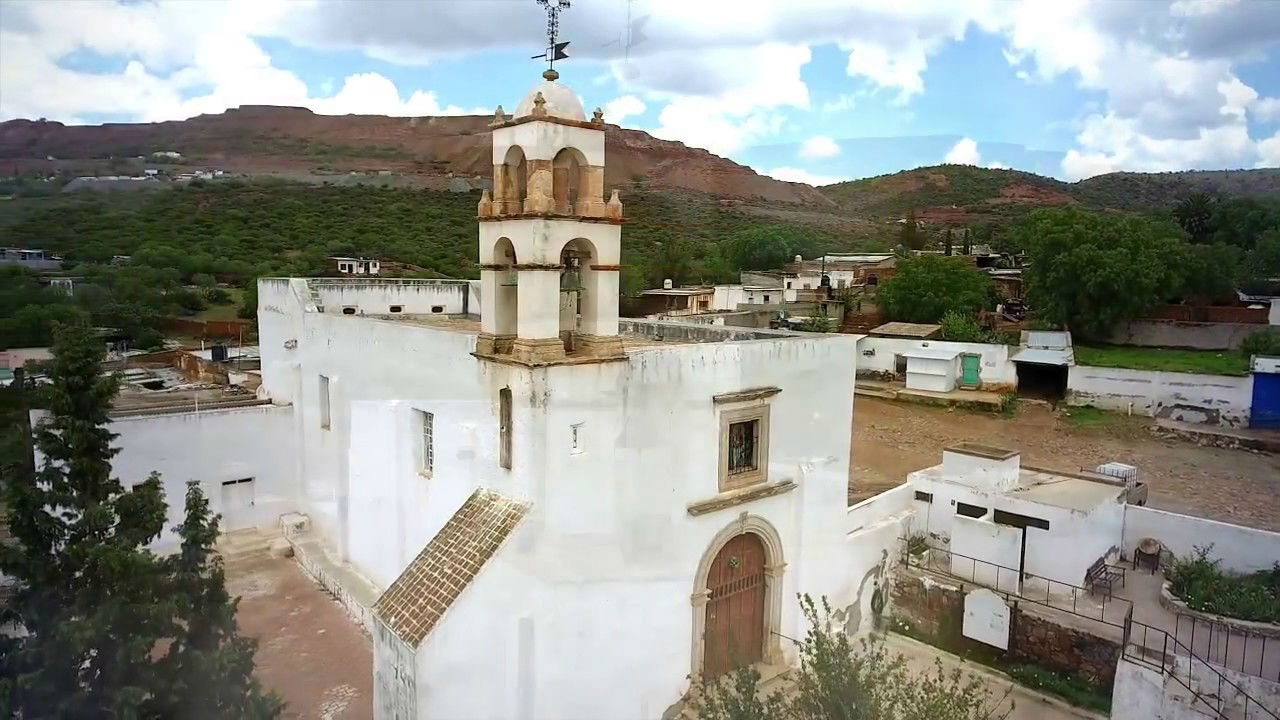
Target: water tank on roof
[{"x": 1127, "y": 473}]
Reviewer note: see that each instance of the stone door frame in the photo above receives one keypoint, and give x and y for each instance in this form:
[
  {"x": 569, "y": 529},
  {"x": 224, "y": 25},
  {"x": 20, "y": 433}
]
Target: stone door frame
[{"x": 774, "y": 567}]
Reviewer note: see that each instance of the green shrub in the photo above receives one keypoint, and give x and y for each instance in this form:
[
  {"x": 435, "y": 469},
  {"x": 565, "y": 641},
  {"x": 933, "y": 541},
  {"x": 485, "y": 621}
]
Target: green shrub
[
  {"x": 1203, "y": 586},
  {"x": 963, "y": 327},
  {"x": 1262, "y": 342}
]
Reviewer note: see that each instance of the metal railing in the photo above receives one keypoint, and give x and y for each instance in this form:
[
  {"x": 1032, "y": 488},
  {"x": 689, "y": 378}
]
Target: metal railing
[
  {"x": 1230, "y": 646},
  {"x": 1211, "y": 690},
  {"x": 1024, "y": 585}
]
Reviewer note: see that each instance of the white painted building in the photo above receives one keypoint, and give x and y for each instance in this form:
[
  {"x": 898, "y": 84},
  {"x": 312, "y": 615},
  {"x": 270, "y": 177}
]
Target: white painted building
[
  {"x": 985, "y": 505},
  {"x": 558, "y": 511}
]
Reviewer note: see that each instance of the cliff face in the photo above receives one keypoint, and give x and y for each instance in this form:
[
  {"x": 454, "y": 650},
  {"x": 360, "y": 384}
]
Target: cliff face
[{"x": 295, "y": 141}]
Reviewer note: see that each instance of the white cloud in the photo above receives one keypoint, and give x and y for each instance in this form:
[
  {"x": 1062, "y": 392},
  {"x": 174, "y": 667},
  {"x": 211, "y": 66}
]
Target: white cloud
[
  {"x": 964, "y": 152},
  {"x": 819, "y": 146},
  {"x": 791, "y": 174},
  {"x": 1266, "y": 109},
  {"x": 841, "y": 103},
  {"x": 1269, "y": 151},
  {"x": 702, "y": 123},
  {"x": 997, "y": 165},
  {"x": 619, "y": 109}
]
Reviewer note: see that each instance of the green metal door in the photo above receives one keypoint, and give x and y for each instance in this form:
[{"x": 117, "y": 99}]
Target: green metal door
[{"x": 971, "y": 365}]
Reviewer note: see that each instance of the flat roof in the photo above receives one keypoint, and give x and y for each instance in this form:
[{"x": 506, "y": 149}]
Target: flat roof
[
  {"x": 679, "y": 291},
  {"x": 1063, "y": 491},
  {"x": 904, "y": 329}
]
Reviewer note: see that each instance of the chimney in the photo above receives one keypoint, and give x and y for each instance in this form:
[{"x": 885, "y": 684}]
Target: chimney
[{"x": 666, "y": 284}]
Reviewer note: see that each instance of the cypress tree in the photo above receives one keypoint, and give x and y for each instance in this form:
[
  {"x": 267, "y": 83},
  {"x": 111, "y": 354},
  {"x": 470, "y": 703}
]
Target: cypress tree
[{"x": 97, "y": 606}]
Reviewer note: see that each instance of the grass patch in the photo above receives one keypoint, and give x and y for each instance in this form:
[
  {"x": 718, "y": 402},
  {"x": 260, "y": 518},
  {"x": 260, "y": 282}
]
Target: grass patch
[
  {"x": 1072, "y": 688},
  {"x": 1203, "y": 586},
  {"x": 224, "y": 311},
  {"x": 1209, "y": 362}
]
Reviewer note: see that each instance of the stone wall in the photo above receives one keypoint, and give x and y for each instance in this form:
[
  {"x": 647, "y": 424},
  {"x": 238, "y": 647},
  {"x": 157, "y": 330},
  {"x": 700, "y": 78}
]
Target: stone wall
[
  {"x": 935, "y": 609},
  {"x": 1059, "y": 647}
]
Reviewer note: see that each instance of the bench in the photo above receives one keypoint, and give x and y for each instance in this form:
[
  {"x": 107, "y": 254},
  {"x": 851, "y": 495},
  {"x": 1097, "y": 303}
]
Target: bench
[{"x": 1102, "y": 575}]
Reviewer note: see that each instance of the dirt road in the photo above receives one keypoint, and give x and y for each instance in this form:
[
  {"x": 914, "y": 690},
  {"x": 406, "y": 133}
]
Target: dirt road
[{"x": 891, "y": 439}]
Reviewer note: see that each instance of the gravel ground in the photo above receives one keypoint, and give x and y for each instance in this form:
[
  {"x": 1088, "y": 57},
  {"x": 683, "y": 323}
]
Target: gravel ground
[{"x": 891, "y": 439}]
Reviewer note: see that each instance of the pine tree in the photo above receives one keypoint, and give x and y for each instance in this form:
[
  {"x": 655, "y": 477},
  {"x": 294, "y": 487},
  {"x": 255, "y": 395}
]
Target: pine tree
[
  {"x": 96, "y": 605},
  {"x": 208, "y": 669}
]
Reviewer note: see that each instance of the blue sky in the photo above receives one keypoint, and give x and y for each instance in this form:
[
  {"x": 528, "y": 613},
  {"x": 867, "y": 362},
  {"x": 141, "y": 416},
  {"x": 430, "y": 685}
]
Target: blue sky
[{"x": 805, "y": 90}]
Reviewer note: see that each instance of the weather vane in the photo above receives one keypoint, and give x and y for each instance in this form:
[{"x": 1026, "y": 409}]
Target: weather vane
[{"x": 555, "y": 50}]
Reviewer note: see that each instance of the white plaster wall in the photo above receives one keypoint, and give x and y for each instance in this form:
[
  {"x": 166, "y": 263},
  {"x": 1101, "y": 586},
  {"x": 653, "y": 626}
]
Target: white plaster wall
[
  {"x": 933, "y": 374},
  {"x": 974, "y": 540},
  {"x": 608, "y": 535},
  {"x": 1273, "y": 316},
  {"x": 542, "y": 140},
  {"x": 1242, "y": 549},
  {"x": 209, "y": 447},
  {"x": 895, "y": 501},
  {"x": 1189, "y": 397},
  {"x": 1143, "y": 693},
  {"x": 1063, "y": 553},
  {"x": 394, "y": 676},
  {"x": 377, "y": 298},
  {"x": 996, "y": 370},
  {"x": 728, "y": 297}
]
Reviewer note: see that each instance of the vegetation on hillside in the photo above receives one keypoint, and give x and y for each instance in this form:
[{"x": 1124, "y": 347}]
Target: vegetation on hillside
[{"x": 111, "y": 629}]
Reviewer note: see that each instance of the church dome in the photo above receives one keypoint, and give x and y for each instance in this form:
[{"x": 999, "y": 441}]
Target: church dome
[{"x": 561, "y": 102}]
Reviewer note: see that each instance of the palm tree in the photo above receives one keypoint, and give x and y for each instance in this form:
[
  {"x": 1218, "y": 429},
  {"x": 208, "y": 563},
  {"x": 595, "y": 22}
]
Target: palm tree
[{"x": 1195, "y": 214}]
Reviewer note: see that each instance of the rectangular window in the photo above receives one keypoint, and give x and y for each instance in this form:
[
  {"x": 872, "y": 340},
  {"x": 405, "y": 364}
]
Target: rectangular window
[
  {"x": 324, "y": 402},
  {"x": 924, "y": 496},
  {"x": 427, "y": 449},
  {"x": 575, "y": 438},
  {"x": 504, "y": 427},
  {"x": 743, "y": 440},
  {"x": 766, "y": 298},
  {"x": 973, "y": 511}
]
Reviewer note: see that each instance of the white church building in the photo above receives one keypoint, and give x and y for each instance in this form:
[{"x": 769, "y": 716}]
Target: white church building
[{"x": 568, "y": 515}]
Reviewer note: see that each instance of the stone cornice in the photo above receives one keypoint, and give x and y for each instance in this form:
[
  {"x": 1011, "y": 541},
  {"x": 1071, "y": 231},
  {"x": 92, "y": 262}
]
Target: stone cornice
[
  {"x": 745, "y": 395},
  {"x": 732, "y": 498}
]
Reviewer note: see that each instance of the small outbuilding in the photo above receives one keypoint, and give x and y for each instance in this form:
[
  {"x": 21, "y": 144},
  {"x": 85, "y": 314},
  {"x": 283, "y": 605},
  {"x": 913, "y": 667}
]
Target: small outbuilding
[{"x": 932, "y": 369}]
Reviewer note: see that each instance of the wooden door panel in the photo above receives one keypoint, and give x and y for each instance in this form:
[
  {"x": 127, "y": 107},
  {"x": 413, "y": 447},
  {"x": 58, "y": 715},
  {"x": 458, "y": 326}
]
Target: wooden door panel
[{"x": 734, "y": 628}]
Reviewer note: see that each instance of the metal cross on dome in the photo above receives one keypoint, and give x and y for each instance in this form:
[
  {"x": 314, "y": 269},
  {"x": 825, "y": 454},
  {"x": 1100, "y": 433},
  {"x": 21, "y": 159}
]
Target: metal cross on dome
[{"x": 555, "y": 50}]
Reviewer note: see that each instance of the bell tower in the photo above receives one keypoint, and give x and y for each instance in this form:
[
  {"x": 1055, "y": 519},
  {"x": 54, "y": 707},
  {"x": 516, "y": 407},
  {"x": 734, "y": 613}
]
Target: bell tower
[{"x": 549, "y": 241}]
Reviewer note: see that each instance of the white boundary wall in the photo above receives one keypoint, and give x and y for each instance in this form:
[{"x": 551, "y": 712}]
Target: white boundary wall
[
  {"x": 1242, "y": 549},
  {"x": 1188, "y": 397},
  {"x": 876, "y": 354}
]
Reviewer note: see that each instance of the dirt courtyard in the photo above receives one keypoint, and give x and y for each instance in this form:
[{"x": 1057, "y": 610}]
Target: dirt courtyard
[
  {"x": 891, "y": 439},
  {"x": 310, "y": 651}
]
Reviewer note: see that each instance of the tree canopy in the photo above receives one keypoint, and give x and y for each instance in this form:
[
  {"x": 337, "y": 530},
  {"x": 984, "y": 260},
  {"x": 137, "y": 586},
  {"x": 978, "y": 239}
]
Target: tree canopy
[
  {"x": 926, "y": 288},
  {"x": 112, "y": 630},
  {"x": 1090, "y": 271}
]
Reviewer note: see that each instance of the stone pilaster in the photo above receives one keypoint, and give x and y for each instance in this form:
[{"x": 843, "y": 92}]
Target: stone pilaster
[
  {"x": 601, "y": 346},
  {"x": 538, "y": 198},
  {"x": 536, "y": 351},
  {"x": 490, "y": 344}
]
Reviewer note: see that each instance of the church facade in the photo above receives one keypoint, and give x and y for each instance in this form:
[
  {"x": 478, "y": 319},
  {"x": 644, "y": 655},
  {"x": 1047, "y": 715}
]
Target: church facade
[{"x": 567, "y": 514}]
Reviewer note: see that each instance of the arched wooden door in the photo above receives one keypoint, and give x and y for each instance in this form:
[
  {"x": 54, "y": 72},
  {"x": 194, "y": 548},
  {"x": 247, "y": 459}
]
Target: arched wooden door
[{"x": 734, "y": 630}]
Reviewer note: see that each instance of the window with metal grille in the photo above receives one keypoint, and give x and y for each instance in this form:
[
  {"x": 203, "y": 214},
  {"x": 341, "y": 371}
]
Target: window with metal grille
[
  {"x": 427, "y": 450},
  {"x": 744, "y": 440}
]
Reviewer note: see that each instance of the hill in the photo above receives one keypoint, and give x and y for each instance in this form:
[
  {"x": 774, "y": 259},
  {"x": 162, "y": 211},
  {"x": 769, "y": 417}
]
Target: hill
[
  {"x": 964, "y": 194},
  {"x": 298, "y": 144}
]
